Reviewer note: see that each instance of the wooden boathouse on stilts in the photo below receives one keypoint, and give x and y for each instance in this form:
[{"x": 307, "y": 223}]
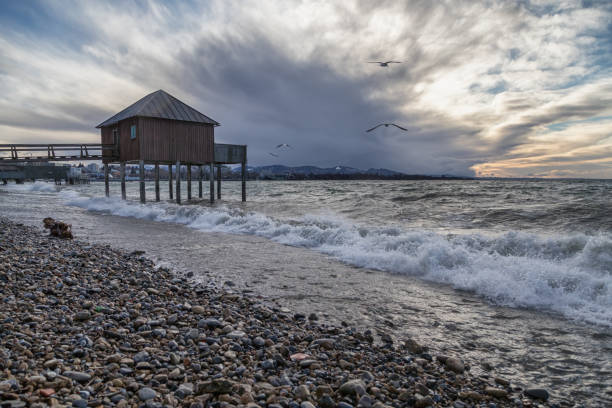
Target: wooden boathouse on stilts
[{"x": 159, "y": 129}]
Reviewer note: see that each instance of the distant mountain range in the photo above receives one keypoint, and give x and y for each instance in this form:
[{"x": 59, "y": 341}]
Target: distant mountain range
[{"x": 280, "y": 172}]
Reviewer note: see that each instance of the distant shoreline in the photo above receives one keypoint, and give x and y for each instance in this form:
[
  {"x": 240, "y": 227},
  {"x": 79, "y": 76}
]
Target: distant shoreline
[
  {"x": 316, "y": 177},
  {"x": 366, "y": 177}
]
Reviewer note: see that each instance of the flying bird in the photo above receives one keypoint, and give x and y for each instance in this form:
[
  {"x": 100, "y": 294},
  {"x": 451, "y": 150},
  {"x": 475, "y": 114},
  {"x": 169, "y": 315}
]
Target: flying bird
[
  {"x": 280, "y": 146},
  {"x": 384, "y": 63},
  {"x": 272, "y": 154},
  {"x": 387, "y": 125}
]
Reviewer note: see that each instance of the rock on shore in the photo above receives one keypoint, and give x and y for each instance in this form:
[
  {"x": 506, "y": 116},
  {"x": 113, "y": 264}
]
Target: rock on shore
[{"x": 87, "y": 325}]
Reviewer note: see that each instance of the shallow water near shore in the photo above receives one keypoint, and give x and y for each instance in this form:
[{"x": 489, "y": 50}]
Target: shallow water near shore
[{"x": 515, "y": 275}]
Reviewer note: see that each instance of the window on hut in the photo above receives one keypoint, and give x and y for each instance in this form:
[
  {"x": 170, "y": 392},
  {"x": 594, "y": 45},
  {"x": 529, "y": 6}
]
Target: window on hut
[{"x": 133, "y": 132}]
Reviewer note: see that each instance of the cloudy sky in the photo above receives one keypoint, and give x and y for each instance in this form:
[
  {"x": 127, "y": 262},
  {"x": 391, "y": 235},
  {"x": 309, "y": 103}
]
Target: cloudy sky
[{"x": 504, "y": 88}]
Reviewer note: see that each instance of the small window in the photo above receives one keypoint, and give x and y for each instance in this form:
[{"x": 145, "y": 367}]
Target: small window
[{"x": 133, "y": 132}]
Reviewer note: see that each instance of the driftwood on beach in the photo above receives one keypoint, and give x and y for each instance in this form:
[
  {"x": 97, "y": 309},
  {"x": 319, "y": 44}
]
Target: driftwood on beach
[{"x": 58, "y": 229}]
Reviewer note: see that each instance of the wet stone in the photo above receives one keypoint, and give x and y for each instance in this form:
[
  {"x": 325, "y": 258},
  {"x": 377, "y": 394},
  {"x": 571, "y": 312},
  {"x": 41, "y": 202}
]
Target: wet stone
[
  {"x": 501, "y": 381},
  {"x": 496, "y": 392},
  {"x": 268, "y": 364},
  {"x": 82, "y": 316},
  {"x": 302, "y": 392},
  {"x": 77, "y": 376},
  {"x": 209, "y": 323},
  {"x": 258, "y": 342},
  {"x": 365, "y": 402},
  {"x": 326, "y": 402},
  {"x": 184, "y": 390},
  {"x": 193, "y": 334},
  {"x": 140, "y": 357},
  {"x": 455, "y": 364},
  {"x": 352, "y": 388},
  {"x": 236, "y": 334},
  {"x": 424, "y": 402},
  {"x": 146, "y": 394},
  {"x": 537, "y": 393}
]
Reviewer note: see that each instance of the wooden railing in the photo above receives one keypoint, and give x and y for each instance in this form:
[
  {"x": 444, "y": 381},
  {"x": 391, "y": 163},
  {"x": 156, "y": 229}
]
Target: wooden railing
[{"x": 18, "y": 153}]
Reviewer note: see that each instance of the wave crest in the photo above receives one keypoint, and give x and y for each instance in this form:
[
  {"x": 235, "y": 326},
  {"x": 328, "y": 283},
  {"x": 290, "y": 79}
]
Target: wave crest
[{"x": 567, "y": 274}]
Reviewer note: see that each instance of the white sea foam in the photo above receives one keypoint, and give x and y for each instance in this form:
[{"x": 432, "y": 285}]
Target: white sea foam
[
  {"x": 38, "y": 186},
  {"x": 569, "y": 274}
]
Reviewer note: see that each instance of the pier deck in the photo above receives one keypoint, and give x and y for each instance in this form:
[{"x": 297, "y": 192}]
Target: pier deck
[
  {"x": 109, "y": 153},
  {"x": 22, "y": 153}
]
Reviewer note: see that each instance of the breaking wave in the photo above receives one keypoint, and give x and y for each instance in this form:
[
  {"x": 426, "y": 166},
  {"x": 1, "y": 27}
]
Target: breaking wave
[
  {"x": 569, "y": 274},
  {"x": 36, "y": 187}
]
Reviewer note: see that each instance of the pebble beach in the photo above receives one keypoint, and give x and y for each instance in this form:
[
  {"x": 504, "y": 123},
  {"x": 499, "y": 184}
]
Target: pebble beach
[{"x": 89, "y": 325}]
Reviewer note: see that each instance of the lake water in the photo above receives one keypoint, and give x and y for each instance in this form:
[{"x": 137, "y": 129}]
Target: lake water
[{"x": 510, "y": 274}]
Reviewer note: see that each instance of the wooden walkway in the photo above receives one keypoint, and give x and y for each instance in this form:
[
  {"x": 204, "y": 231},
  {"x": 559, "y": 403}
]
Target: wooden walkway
[
  {"x": 109, "y": 153},
  {"x": 24, "y": 153}
]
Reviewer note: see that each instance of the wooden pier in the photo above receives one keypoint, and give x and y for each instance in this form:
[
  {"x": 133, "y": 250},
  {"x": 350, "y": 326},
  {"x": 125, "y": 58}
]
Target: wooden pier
[
  {"x": 156, "y": 130},
  {"x": 23, "y": 153},
  {"x": 159, "y": 129},
  {"x": 37, "y": 153}
]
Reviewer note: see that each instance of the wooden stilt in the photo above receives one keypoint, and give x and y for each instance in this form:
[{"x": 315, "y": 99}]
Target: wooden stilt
[
  {"x": 170, "y": 181},
  {"x": 218, "y": 182},
  {"x": 106, "y": 186},
  {"x": 243, "y": 176},
  {"x": 142, "y": 182},
  {"x": 200, "y": 181},
  {"x": 123, "y": 193},
  {"x": 189, "y": 182},
  {"x": 178, "y": 182},
  {"x": 156, "y": 181},
  {"x": 211, "y": 177}
]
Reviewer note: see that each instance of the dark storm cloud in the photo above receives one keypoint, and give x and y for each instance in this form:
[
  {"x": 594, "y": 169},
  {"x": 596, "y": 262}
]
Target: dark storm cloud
[{"x": 263, "y": 98}]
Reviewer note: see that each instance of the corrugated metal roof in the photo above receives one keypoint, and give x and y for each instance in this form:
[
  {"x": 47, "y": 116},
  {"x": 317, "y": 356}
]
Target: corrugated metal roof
[{"x": 160, "y": 104}]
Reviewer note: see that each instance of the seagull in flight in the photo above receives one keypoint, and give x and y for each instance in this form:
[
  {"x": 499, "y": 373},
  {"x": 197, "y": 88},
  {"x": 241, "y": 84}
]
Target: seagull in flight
[
  {"x": 387, "y": 125},
  {"x": 280, "y": 146},
  {"x": 272, "y": 154},
  {"x": 384, "y": 63}
]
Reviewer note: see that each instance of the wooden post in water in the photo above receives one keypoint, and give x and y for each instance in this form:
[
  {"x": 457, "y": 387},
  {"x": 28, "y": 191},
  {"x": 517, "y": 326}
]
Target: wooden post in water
[
  {"x": 178, "y": 182},
  {"x": 243, "y": 176},
  {"x": 219, "y": 182},
  {"x": 123, "y": 193},
  {"x": 189, "y": 182},
  {"x": 106, "y": 186},
  {"x": 142, "y": 182},
  {"x": 156, "y": 181},
  {"x": 170, "y": 180},
  {"x": 211, "y": 177},
  {"x": 200, "y": 181}
]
